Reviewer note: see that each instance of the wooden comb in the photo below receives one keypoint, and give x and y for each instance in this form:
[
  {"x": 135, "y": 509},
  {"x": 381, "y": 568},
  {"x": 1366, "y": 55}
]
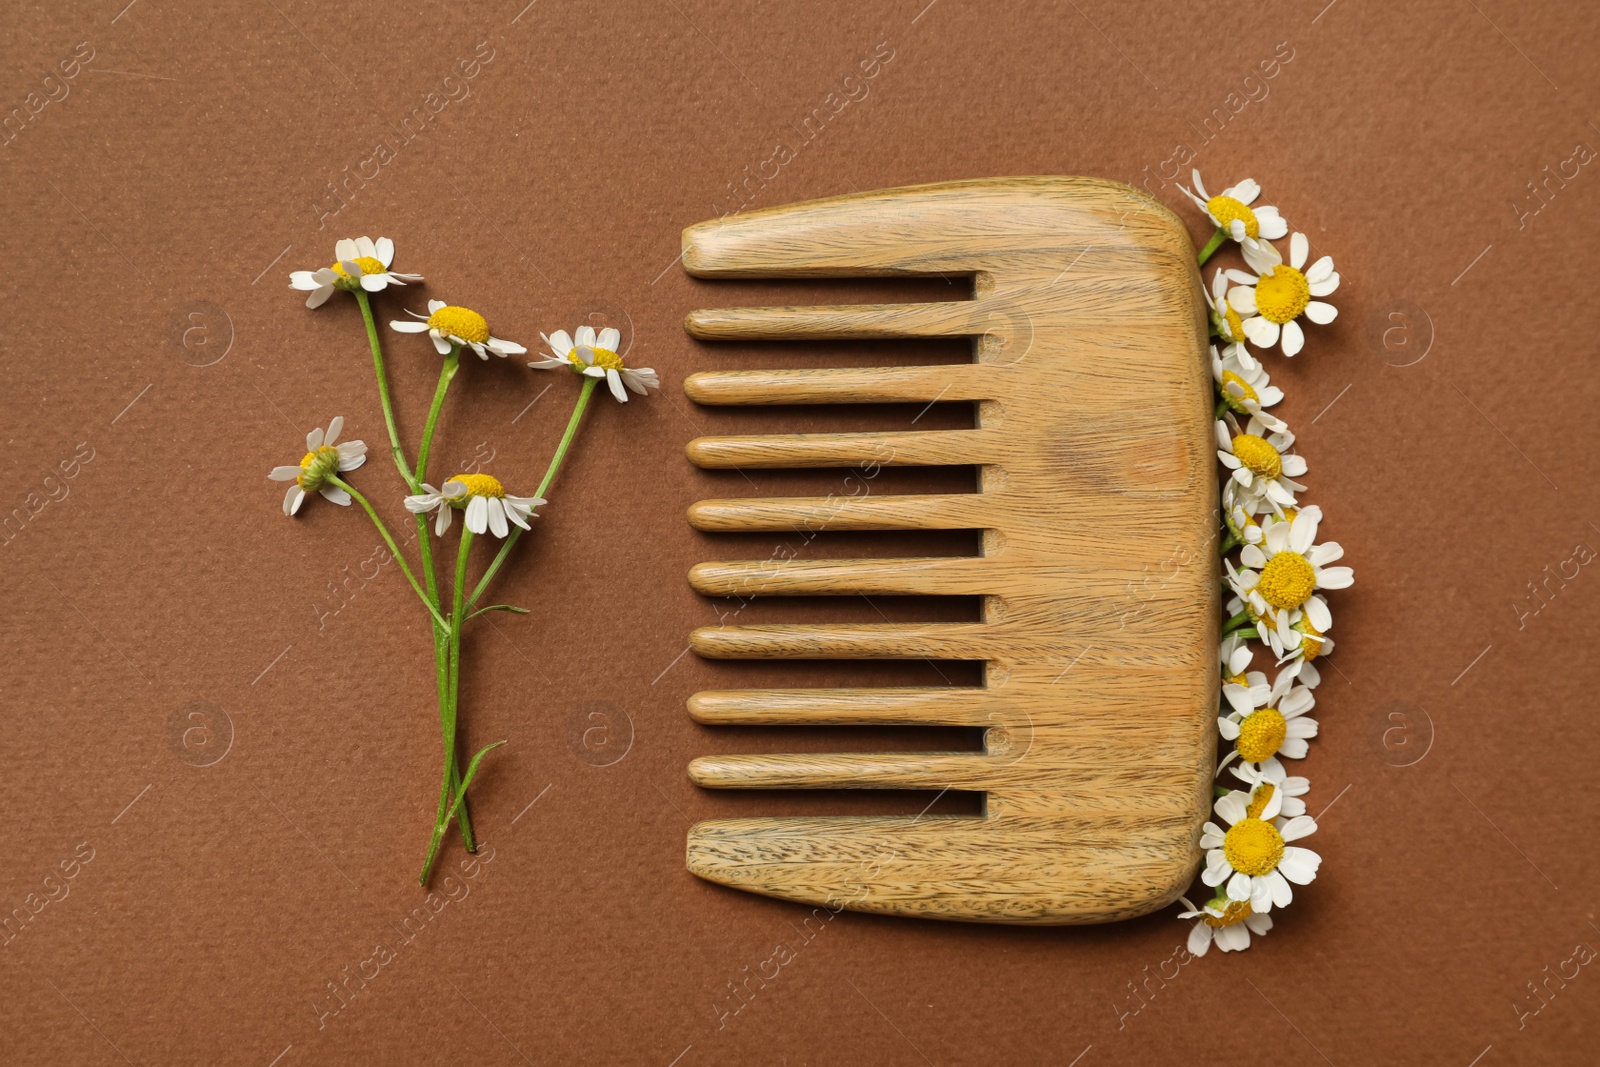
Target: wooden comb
[{"x": 1097, "y": 505}]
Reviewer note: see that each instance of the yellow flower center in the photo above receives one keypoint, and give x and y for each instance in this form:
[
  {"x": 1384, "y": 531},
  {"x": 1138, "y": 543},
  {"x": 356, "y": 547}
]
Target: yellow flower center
[
  {"x": 315, "y": 466},
  {"x": 368, "y": 265},
  {"x": 1282, "y": 295},
  {"x": 1233, "y": 912},
  {"x": 1260, "y": 799},
  {"x": 1261, "y": 735},
  {"x": 1236, "y": 392},
  {"x": 1257, "y": 455},
  {"x": 464, "y": 323},
  {"x": 1234, "y": 328},
  {"x": 1253, "y": 846},
  {"x": 1225, "y": 209},
  {"x": 480, "y": 484},
  {"x": 1287, "y": 581},
  {"x": 603, "y": 358}
]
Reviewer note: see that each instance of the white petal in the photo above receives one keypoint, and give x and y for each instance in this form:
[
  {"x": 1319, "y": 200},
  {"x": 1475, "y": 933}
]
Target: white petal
[
  {"x": 374, "y": 283},
  {"x": 284, "y": 474},
  {"x": 1278, "y": 886},
  {"x": 302, "y": 280},
  {"x": 614, "y": 380},
  {"x": 1335, "y": 578},
  {"x": 609, "y": 338},
  {"x": 333, "y": 494},
  {"x": 333, "y": 430},
  {"x": 1321, "y": 313},
  {"x": 404, "y": 326},
  {"x": 1321, "y": 270},
  {"x": 344, "y": 249},
  {"x": 385, "y": 251},
  {"x": 1242, "y": 298},
  {"x": 1263, "y": 333},
  {"x": 1299, "y": 248},
  {"x": 446, "y": 516},
  {"x": 584, "y": 335},
  {"x": 440, "y": 345},
  {"x": 1238, "y": 887},
  {"x": 1295, "y": 829},
  {"x": 1199, "y": 939},
  {"x": 478, "y": 514},
  {"x": 1294, "y": 338},
  {"x": 314, "y": 440},
  {"x": 1326, "y": 287},
  {"x": 291, "y": 499},
  {"x": 1316, "y": 610},
  {"x": 497, "y": 517},
  {"x": 435, "y": 305},
  {"x": 1299, "y": 865}
]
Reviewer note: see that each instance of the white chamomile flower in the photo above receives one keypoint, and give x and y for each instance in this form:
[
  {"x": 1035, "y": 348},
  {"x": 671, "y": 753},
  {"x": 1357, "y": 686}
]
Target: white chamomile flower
[
  {"x": 1235, "y": 654},
  {"x": 489, "y": 507},
  {"x": 462, "y": 327},
  {"x": 323, "y": 460},
  {"x": 1253, "y": 856},
  {"x": 1229, "y": 923},
  {"x": 1258, "y": 462},
  {"x": 595, "y": 354},
  {"x": 1224, "y": 320},
  {"x": 1291, "y": 787},
  {"x": 1239, "y": 511},
  {"x": 1245, "y": 386},
  {"x": 1281, "y": 293},
  {"x": 1266, "y": 723},
  {"x": 1287, "y": 567},
  {"x": 361, "y": 263},
  {"x": 1231, "y": 210}
]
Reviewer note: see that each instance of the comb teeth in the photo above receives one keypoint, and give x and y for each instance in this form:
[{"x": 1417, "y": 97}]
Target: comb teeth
[{"x": 1099, "y": 634}]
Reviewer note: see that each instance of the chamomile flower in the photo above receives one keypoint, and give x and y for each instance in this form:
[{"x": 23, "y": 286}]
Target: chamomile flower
[
  {"x": 1232, "y": 210},
  {"x": 487, "y": 504},
  {"x": 322, "y": 461},
  {"x": 1235, "y": 654},
  {"x": 1253, "y": 856},
  {"x": 1224, "y": 320},
  {"x": 361, "y": 263},
  {"x": 1282, "y": 292},
  {"x": 462, "y": 327},
  {"x": 1245, "y": 386},
  {"x": 1287, "y": 568},
  {"x": 595, "y": 354},
  {"x": 1239, "y": 511},
  {"x": 1291, "y": 787},
  {"x": 1272, "y": 721},
  {"x": 1258, "y": 462},
  {"x": 1228, "y": 923}
]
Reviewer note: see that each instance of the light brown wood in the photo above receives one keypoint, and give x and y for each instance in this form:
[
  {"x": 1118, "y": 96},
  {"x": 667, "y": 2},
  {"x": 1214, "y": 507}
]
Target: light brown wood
[{"x": 1098, "y": 570}]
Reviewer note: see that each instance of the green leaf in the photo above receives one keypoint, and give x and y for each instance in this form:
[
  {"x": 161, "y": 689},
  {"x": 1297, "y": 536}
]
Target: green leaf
[
  {"x": 501, "y": 607},
  {"x": 472, "y": 770}
]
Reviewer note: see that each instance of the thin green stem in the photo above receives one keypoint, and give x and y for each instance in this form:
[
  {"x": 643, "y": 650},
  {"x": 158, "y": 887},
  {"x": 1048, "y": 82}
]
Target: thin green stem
[
  {"x": 1212, "y": 245},
  {"x": 405, "y": 568},
  {"x": 452, "y": 706},
  {"x": 447, "y": 373},
  {"x": 544, "y": 485},
  {"x": 383, "y": 389},
  {"x": 1237, "y": 622}
]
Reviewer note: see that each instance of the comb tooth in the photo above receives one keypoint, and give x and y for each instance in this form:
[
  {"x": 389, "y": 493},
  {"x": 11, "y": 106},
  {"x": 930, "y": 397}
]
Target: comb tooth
[
  {"x": 907, "y": 448},
  {"x": 852, "y": 385},
  {"x": 855, "y": 770},
  {"x": 965, "y": 511},
  {"x": 952, "y": 706},
  {"x": 940, "y": 640},
  {"x": 929, "y": 576},
  {"x": 954, "y": 318}
]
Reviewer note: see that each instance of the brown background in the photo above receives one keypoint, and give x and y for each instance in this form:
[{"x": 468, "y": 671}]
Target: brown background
[{"x": 178, "y": 182}]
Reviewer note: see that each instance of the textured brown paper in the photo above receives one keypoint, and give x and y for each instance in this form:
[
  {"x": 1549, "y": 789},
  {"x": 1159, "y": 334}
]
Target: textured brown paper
[{"x": 220, "y": 740}]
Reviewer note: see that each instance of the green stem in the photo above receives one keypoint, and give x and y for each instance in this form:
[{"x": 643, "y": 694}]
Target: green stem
[
  {"x": 452, "y": 706},
  {"x": 447, "y": 373},
  {"x": 1212, "y": 245},
  {"x": 393, "y": 548},
  {"x": 544, "y": 486},
  {"x": 1237, "y": 622},
  {"x": 383, "y": 390}
]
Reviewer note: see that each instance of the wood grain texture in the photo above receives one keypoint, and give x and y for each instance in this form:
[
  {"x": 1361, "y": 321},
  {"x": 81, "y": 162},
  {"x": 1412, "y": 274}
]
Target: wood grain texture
[{"x": 1097, "y": 504}]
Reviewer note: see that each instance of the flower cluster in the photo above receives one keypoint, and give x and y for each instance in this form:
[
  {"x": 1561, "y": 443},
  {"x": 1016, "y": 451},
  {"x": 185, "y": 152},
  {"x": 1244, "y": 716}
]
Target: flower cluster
[
  {"x": 361, "y": 267},
  {"x": 1274, "y": 567}
]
